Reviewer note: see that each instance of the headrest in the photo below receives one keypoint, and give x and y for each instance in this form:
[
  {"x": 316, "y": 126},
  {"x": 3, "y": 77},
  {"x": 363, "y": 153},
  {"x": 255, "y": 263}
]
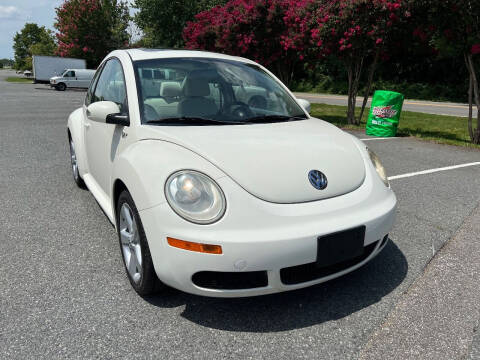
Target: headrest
[
  {"x": 196, "y": 86},
  {"x": 159, "y": 74},
  {"x": 170, "y": 89}
]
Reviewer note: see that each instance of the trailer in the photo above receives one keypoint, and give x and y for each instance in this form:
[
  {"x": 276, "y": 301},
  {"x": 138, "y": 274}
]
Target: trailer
[{"x": 45, "y": 67}]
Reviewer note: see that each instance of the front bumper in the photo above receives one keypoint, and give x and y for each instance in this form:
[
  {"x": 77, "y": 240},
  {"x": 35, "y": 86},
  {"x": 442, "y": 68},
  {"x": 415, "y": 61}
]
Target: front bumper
[{"x": 263, "y": 239}]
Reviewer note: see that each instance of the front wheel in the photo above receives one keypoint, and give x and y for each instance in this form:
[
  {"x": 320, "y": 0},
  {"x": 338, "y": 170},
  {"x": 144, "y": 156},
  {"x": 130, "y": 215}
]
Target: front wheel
[
  {"x": 61, "y": 87},
  {"x": 135, "y": 251}
]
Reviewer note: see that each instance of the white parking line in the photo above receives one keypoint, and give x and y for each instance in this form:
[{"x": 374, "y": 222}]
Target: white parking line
[
  {"x": 380, "y": 138},
  {"x": 431, "y": 171}
]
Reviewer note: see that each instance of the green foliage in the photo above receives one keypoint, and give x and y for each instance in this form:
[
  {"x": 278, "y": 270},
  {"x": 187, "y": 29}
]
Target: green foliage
[
  {"x": 455, "y": 92},
  {"x": 16, "y": 79},
  {"x": 32, "y": 40},
  {"x": 162, "y": 21},
  {"x": 90, "y": 29},
  {"x": 6, "y": 63}
]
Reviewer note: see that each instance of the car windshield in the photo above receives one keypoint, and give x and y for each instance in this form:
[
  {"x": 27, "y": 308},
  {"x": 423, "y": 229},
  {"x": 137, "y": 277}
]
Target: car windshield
[{"x": 206, "y": 91}]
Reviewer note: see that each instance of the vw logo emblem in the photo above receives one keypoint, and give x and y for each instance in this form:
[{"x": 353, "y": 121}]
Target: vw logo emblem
[{"x": 317, "y": 179}]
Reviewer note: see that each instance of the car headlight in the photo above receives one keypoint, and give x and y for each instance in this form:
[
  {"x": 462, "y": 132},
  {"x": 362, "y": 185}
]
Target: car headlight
[
  {"x": 379, "y": 167},
  {"x": 195, "y": 197}
]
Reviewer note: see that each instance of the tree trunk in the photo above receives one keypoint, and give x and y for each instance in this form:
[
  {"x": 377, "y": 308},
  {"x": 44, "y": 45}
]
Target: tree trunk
[
  {"x": 354, "y": 71},
  {"x": 470, "y": 107},
  {"x": 350, "y": 117},
  {"x": 471, "y": 68},
  {"x": 373, "y": 67},
  {"x": 285, "y": 72}
]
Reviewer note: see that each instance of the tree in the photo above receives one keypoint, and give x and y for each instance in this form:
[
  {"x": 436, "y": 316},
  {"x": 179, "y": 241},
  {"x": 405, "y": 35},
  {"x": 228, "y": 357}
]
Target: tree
[
  {"x": 7, "y": 62},
  {"x": 90, "y": 29},
  {"x": 354, "y": 32},
  {"x": 453, "y": 27},
  {"x": 162, "y": 21},
  {"x": 32, "y": 40},
  {"x": 274, "y": 33}
]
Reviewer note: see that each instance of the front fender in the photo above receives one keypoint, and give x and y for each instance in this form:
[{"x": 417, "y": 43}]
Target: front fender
[
  {"x": 145, "y": 166},
  {"x": 75, "y": 127}
]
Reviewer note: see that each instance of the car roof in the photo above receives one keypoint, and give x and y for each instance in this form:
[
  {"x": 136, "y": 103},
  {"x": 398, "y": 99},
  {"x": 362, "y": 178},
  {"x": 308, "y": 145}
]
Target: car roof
[{"x": 148, "y": 54}]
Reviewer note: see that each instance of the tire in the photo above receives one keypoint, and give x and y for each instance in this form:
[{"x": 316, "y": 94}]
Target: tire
[
  {"x": 74, "y": 164},
  {"x": 61, "y": 87},
  {"x": 134, "y": 246}
]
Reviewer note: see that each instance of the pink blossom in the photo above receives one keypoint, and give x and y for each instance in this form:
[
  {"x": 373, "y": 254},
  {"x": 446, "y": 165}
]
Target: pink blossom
[{"x": 475, "y": 49}]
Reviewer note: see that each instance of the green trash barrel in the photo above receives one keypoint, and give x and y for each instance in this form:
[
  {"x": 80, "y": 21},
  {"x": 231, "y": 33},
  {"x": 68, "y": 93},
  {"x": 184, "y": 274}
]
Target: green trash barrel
[{"x": 384, "y": 113}]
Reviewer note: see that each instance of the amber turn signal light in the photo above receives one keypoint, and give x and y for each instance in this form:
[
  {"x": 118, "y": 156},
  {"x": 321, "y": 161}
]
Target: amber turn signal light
[{"x": 193, "y": 246}]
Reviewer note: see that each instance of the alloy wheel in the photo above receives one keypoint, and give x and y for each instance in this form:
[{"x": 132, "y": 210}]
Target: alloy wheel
[
  {"x": 130, "y": 242},
  {"x": 73, "y": 160}
]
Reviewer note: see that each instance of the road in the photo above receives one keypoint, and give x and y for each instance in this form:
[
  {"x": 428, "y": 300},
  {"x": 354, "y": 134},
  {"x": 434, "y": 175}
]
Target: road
[
  {"x": 428, "y": 107},
  {"x": 64, "y": 293}
]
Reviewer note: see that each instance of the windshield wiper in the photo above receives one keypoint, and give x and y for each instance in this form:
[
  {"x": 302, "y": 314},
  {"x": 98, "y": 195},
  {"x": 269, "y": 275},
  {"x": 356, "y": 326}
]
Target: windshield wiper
[
  {"x": 190, "y": 120},
  {"x": 273, "y": 118}
]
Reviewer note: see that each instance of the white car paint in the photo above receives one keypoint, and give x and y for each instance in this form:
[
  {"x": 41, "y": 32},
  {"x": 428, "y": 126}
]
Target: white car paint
[{"x": 273, "y": 216}]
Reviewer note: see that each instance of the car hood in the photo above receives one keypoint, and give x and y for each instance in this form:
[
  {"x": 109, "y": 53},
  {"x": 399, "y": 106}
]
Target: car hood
[{"x": 272, "y": 161}]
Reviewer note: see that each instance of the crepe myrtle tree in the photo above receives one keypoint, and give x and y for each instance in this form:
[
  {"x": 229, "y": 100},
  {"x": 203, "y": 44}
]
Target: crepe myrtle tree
[
  {"x": 90, "y": 29},
  {"x": 274, "y": 33},
  {"x": 356, "y": 31},
  {"x": 453, "y": 28},
  {"x": 162, "y": 21}
]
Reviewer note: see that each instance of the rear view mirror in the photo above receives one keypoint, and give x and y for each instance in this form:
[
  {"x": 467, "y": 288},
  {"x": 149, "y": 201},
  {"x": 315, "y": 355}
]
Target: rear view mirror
[
  {"x": 305, "y": 104},
  {"x": 107, "y": 112}
]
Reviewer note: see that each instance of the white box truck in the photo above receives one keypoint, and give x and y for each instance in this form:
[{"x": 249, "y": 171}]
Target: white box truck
[{"x": 45, "y": 67}]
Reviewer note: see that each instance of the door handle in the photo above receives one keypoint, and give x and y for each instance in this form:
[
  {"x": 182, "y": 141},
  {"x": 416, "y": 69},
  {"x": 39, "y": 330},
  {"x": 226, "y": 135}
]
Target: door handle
[{"x": 87, "y": 125}]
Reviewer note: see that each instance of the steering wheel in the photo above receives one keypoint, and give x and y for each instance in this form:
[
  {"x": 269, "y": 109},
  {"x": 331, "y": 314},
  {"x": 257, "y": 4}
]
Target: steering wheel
[
  {"x": 258, "y": 101},
  {"x": 240, "y": 110},
  {"x": 149, "y": 112}
]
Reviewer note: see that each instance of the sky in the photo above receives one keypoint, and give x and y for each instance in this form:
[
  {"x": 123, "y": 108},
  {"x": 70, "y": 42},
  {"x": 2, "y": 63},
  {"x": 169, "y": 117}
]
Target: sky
[{"x": 15, "y": 13}]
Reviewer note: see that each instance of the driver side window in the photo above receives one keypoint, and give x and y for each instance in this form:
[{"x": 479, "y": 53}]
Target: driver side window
[{"x": 111, "y": 85}]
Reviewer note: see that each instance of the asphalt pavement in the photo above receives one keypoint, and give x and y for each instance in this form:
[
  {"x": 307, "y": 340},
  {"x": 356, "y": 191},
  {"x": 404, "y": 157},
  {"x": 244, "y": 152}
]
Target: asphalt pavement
[
  {"x": 64, "y": 293},
  {"x": 428, "y": 107}
]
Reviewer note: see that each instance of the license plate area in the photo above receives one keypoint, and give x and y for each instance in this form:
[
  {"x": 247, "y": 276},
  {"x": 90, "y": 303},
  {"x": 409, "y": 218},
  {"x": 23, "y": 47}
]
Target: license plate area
[{"x": 341, "y": 246}]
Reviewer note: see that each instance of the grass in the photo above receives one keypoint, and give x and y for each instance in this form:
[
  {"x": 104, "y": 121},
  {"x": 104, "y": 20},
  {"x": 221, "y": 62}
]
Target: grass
[
  {"x": 15, "y": 79},
  {"x": 441, "y": 129}
]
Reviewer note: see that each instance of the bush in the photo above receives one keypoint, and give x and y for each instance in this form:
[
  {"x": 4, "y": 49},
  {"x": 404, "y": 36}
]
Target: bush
[{"x": 411, "y": 90}]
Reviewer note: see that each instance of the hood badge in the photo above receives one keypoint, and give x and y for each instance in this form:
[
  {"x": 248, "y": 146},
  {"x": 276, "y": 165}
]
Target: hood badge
[{"x": 318, "y": 179}]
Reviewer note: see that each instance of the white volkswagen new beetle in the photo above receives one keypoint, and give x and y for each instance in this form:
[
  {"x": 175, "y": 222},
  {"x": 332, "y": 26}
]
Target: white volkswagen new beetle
[{"x": 218, "y": 181}]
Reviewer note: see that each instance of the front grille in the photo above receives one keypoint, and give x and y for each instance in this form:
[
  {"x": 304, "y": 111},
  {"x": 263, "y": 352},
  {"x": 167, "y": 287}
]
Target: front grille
[
  {"x": 230, "y": 280},
  {"x": 308, "y": 272}
]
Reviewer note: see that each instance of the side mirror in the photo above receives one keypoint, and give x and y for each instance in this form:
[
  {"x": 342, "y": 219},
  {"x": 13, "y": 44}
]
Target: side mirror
[
  {"x": 305, "y": 104},
  {"x": 107, "y": 112}
]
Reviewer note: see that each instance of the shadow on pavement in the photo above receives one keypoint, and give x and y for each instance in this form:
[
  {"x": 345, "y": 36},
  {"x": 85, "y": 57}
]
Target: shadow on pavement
[
  {"x": 295, "y": 309},
  {"x": 47, "y": 87}
]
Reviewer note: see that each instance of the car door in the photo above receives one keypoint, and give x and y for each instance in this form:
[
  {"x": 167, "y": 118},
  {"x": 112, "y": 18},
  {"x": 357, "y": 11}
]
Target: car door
[
  {"x": 70, "y": 78},
  {"x": 109, "y": 86},
  {"x": 82, "y": 80}
]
